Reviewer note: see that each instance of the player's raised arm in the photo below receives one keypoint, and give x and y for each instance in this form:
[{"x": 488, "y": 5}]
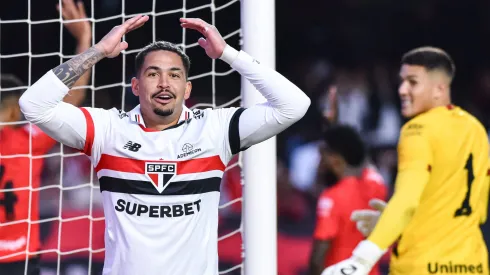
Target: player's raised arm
[
  {"x": 286, "y": 103},
  {"x": 42, "y": 102},
  {"x": 82, "y": 32},
  {"x": 414, "y": 162}
]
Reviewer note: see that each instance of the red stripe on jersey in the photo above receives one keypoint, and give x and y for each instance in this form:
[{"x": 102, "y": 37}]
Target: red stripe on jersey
[
  {"x": 147, "y": 129},
  {"x": 488, "y": 172},
  {"x": 138, "y": 119},
  {"x": 89, "y": 138},
  {"x": 137, "y": 166}
]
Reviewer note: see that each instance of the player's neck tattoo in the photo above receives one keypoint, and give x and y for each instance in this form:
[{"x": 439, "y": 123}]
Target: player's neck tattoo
[{"x": 70, "y": 71}]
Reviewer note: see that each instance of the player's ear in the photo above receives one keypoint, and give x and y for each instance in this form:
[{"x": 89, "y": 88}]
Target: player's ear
[
  {"x": 442, "y": 83},
  {"x": 440, "y": 90},
  {"x": 135, "y": 86},
  {"x": 188, "y": 88}
]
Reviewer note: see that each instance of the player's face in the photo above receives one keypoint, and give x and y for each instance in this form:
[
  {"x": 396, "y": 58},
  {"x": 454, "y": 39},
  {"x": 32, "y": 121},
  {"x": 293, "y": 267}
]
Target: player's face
[
  {"x": 416, "y": 90},
  {"x": 162, "y": 84}
]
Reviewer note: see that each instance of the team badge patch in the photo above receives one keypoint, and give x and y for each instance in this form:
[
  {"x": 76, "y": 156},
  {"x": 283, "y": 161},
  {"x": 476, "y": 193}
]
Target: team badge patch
[{"x": 160, "y": 173}]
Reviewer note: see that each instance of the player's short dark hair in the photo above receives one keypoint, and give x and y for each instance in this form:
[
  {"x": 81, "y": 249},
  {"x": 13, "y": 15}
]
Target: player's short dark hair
[
  {"x": 162, "y": 46},
  {"x": 345, "y": 141},
  {"x": 430, "y": 58},
  {"x": 10, "y": 82}
]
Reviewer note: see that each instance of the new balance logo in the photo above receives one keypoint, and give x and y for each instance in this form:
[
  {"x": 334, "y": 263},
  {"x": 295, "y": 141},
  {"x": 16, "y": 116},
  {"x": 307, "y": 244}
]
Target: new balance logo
[{"x": 132, "y": 146}]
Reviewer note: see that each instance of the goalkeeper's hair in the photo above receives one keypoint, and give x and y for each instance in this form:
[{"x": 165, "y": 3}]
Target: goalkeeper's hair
[
  {"x": 430, "y": 58},
  {"x": 10, "y": 82},
  {"x": 162, "y": 46},
  {"x": 346, "y": 141}
]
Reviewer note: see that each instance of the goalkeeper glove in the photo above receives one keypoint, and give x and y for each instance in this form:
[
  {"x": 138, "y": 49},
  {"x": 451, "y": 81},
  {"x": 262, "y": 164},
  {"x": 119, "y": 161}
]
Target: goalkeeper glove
[
  {"x": 366, "y": 219},
  {"x": 364, "y": 257}
]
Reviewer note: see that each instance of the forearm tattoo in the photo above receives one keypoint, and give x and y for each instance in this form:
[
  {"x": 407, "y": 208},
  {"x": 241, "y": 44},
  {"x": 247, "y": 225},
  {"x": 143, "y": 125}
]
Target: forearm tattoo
[{"x": 70, "y": 71}]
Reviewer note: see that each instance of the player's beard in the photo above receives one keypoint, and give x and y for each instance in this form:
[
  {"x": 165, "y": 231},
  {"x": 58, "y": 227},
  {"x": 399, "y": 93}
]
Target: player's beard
[{"x": 162, "y": 112}]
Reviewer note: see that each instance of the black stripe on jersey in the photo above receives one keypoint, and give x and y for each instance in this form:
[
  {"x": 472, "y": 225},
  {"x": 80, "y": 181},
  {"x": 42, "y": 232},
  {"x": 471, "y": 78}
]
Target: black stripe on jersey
[
  {"x": 234, "y": 132},
  {"x": 147, "y": 188},
  {"x": 175, "y": 126}
]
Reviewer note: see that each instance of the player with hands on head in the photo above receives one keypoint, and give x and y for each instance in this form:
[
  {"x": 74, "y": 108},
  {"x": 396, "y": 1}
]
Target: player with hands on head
[
  {"x": 17, "y": 237},
  {"x": 160, "y": 198},
  {"x": 442, "y": 185}
]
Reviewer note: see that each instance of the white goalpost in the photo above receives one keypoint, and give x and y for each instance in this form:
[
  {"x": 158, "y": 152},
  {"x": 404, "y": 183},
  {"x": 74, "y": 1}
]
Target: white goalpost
[
  {"x": 254, "y": 33},
  {"x": 259, "y": 169}
]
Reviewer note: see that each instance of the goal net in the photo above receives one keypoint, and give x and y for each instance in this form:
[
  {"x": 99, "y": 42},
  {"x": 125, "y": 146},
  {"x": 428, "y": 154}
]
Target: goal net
[{"x": 71, "y": 222}]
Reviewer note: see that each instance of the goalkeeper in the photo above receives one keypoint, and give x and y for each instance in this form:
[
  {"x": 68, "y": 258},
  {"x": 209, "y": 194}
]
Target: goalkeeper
[
  {"x": 18, "y": 204},
  {"x": 441, "y": 190},
  {"x": 160, "y": 165}
]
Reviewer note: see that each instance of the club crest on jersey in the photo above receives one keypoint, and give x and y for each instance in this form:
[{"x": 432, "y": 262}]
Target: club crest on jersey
[{"x": 160, "y": 173}]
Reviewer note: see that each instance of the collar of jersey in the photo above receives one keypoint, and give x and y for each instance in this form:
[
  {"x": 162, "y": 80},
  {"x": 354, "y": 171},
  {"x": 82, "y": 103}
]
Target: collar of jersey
[{"x": 136, "y": 117}]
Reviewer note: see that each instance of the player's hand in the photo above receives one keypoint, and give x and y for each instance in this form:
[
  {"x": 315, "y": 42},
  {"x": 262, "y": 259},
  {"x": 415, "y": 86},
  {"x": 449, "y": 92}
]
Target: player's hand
[
  {"x": 111, "y": 45},
  {"x": 347, "y": 267},
  {"x": 363, "y": 258},
  {"x": 366, "y": 219},
  {"x": 81, "y": 30},
  {"x": 212, "y": 42}
]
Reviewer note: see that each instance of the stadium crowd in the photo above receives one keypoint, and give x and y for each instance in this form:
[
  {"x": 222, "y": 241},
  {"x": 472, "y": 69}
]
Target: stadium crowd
[{"x": 346, "y": 61}]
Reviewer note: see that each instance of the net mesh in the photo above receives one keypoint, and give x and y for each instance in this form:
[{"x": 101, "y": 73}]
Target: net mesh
[{"x": 35, "y": 40}]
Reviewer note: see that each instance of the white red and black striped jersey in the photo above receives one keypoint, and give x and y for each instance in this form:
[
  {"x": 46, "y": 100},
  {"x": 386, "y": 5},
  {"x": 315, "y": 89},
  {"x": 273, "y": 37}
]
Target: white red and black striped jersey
[{"x": 161, "y": 188}]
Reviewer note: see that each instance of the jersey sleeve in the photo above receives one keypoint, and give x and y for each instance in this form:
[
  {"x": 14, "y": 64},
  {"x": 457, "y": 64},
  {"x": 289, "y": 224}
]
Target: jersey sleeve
[
  {"x": 98, "y": 124},
  {"x": 414, "y": 150},
  {"x": 41, "y": 142},
  {"x": 414, "y": 162},
  {"x": 285, "y": 105},
  {"x": 327, "y": 218},
  {"x": 79, "y": 128},
  {"x": 227, "y": 120}
]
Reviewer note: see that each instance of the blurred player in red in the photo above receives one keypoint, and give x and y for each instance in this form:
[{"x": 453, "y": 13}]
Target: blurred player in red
[
  {"x": 17, "y": 174},
  {"x": 351, "y": 184}
]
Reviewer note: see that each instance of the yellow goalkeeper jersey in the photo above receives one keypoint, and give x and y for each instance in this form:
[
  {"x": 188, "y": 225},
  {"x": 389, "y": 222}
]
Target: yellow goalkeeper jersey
[{"x": 443, "y": 236}]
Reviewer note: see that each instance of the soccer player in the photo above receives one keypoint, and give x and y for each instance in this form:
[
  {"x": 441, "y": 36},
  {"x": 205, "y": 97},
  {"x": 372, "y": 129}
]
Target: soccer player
[
  {"x": 441, "y": 190},
  {"x": 160, "y": 164},
  {"x": 19, "y": 239},
  {"x": 343, "y": 158}
]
